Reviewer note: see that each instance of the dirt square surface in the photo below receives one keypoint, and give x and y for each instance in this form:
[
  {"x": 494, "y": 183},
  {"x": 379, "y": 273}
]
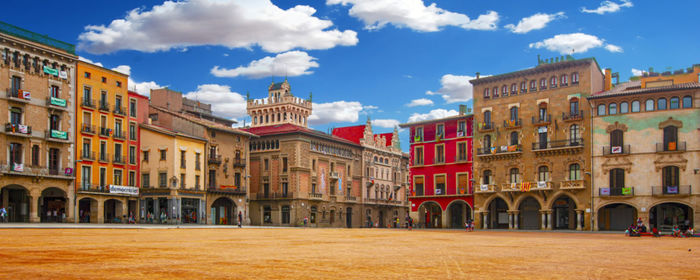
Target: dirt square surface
[{"x": 294, "y": 253}]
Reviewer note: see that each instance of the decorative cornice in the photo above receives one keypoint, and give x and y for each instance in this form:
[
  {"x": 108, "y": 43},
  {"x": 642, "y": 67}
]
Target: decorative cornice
[
  {"x": 670, "y": 122},
  {"x": 616, "y": 126}
]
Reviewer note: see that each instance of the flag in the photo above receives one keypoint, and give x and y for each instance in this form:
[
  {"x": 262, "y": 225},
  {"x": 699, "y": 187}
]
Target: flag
[{"x": 525, "y": 186}]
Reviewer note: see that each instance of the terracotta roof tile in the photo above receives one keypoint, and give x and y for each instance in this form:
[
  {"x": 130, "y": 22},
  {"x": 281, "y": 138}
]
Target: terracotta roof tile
[{"x": 631, "y": 88}]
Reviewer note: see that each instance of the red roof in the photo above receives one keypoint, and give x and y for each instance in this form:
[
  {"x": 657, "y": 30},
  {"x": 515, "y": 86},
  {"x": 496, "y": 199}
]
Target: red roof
[
  {"x": 388, "y": 137},
  {"x": 292, "y": 128},
  {"x": 352, "y": 133}
]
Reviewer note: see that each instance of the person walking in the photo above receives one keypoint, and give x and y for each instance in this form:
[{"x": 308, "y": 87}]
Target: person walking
[
  {"x": 306, "y": 221},
  {"x": 3, "y": 215},
  {"x": 240, "y": 219}
]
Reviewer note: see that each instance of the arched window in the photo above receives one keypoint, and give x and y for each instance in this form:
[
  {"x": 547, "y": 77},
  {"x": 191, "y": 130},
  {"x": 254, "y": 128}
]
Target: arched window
[
  {"x": 514, "y": 138},
  {"x": 514, "y": 113},
  {"x": 523, "y": 87},
  {"x": 661, "y": 104},
  {"x": 687, "y": 101},
  {"x": 543, "y": 83},
  {"x": 601, "y": 110},
  {"x": 553, "y": 82},
  {"x": 574, "y": 172},
  {"x": 486, "y": 177},
  {"x": 495, "y": 92},
  {"x": 514, "y": 175},
  {"x": 670, "y": 138},
  {"x": 624, "y": 108},
  {"x": 649, "y": 105},
  {"x": 635, "y": 106},
  {"x": 616, "y": 138},
  {"x": 487, "y": 141},
  {"x": 504, "y": 90},
  {"x": 533, "y": 85},
  {"x": 513, "y": 89},
  {"x": 574, "y": 135},
  {"x": 574, "y": 78},
  {"x": 564, "y": 80},
  {"x": 487, "y": 94},
  {"x": 670, "y": 178},
  {"x": 674, "y": 103},
  {"x": 543, "y": 173}
]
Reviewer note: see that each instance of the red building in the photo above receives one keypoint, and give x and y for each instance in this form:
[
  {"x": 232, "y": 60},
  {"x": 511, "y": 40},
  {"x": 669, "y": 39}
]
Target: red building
[
  {"x": 138, "y": 113},
  {"x": 441, "y": 171}
]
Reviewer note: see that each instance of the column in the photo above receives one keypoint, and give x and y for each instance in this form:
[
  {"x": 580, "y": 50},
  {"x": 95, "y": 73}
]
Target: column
[
  {"x": 579, "y": 213},
  {"x": 485, "y": 221},
  {"x": 70, "y": 215},
  {"x": 543, "y": 215},
  {"x": 125, "y": 211},
  {"x": 549, "y": 219},
  {"x": 515, "y": 219},
  {"x": 443, "y": 217},
  {"x": 33, "y": 209},
  {"x": 100, "y": 212},
  {"x": 156, "y": 209},
  {"x": 510, "y": 221}
]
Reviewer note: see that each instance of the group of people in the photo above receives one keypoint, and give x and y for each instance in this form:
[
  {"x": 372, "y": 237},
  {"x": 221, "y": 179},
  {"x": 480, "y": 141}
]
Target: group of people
[
  {"x": 469, "y": 225},
  {"x": 677, "y": 232},
  {"x": 640, "y": 228}
]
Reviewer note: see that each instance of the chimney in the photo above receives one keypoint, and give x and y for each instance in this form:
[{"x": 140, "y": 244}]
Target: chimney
[
  {"x": 462, "y": 110},
  {"x": 477, "y": 75},
  {"x": 608, "y": 79}
]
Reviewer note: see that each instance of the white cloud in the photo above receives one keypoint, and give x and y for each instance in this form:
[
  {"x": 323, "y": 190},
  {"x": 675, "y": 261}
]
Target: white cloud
[
  {"x": 534, "y": 22},
  {"x": 608, "y": 7},
  {"x": 413, "y": 14},
  {"x": 143, "y": 88},
  {"x": 292, "y": 63},
  {"x": 454, "y": 88},
  {"x": 433, "y": 114},
  {"x": 636, "y": 72},
  {"x": 224, "y": 102},
  {"x": 233, "y": 24},
  {"x": 338, "y": 111},
  {"x": 613, "y": 48},
  {"x": 420, "y": 102},
  {"x": 83, "y": 59},
  {"x": 386, "y": 123},
  {"x": 124, "y": 69},
  {"x": 573, "y": 43}
]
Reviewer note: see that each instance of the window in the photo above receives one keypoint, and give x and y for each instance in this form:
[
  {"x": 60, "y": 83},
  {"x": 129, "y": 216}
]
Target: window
[
  {"x": 163, "y": 154},
  {"x": 284, "y": 165},
  {"x": 649, "y": 105},
  {"x": 624, "y": 108},
  {"x": 523, "y": 87},
  {"x": 495, "y": 92},
  {"x": 145, "y": 180},
  {"x": 132, "y": 108},
  {"x": 54, "y": 122},
  {"x": 196, "y": 182},
  {"x": 635, "y": 106},
  {"x": 461, "y": 129},
  {"x": 15, "y": 115},
  {"x": 182, "y": 180},
  {"x": 117, "y": 177},
  {"x": 440, "y": 154},
  {"x": 197, "y": 161},
  {"x": 553, "y": 82},
  {"x": 132, "y": 178},
  {"x": 163, "y": 180},
  {"x": 487, "y": 141},
  {"x": 514, "y": 138},
  {"x": 418, "y": 185},
  {"x": 574, "y": 172},
  {"x": 440, "y": 185},
  {"x": 87, "y": 75},
  {"x": 54, "y": 159},
  {"x": 35, "y": 155},
  {"x": 601, "y": 110},
  {"x": 612, "y": 108},
  {"x": 418, "y": 156},
  {"x": 54, "y": 92},
  {"x": 418, "y": 134},
  {"x": 514, "y": 175},
  {"x": 103, "y": 176},
  {"x": 103, "y": 151},
  {"x": 267, "y": 164},
  {"x": 132, "y": 131},
  {"x": 118, "y": 153},
  {"x": 440, "y": 130},
  {"x": 487, "y": 178},
  {"x": 119, "y": 84},
  {"x": 487, "y": 93},
  {"x": 674, "y": 103},
  {"x": 669, "y": 176},
  {"x": 574, "y": 134},
  {"x": 462, "y": 151},
  {"x": 212, "y": 178},
  {"x": 487, "y": 119},
  {"x": 543, "y": 174},
  {"x": 533, "y": 85},
  {"x": 285, "y": 214},
  {"x": 661, "y": 104},
  {"x": 543, "y": 83},
  {"x": 513, "y": 89},
  {"x": 616, "y": 138},
  {"x": 670, "y": 138},
  {"x": 145, "y": 156},
  {"x": 573, "y": 107},
  {"x": 104, "y": 79},
  {"x": 285, "y": 189},
  {"x": 564, "y": 80},
  {"x": 462, "y": 183},
  {"x": 237, "y": 179},
  {"x": 267, "y": 214},
  {"x": 313, "y": 165},
  {"x": 574, "y": 78},
  {"x": 132, "y": 155},
  {"x": 543, "y": 112},
  {"x": 504, "y": 90},
  {"x": 687, "y": 102},
  {"x": 617, "y": 178},
  {"x": 183, "y": 159}
]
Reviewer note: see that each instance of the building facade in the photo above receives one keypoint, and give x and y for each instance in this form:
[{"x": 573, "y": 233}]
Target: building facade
[
  {"x": 37, "y": 79},
  {"x": 384, "y": 175},
  {"x": 531, "y": 130},
  {"x": 646, "y": 151},
  {"x": 107, "y": 146},
  {"x": 441, "y": 171}
]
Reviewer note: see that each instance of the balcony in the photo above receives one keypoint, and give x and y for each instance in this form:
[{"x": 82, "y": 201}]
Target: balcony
[
  {"x": 572, "y": 185},
  {"x": 214, "y": 159},
  {"x": 239, "y": 162},
  {"x": 87, "y": 155},
  {"x": 486, "y": 188},
  {"x": 88, "y": 129},
  {"x": 527, "y": 186},
  {"x": 670, "y": 147},
  {"x": 275, "y": 196},
  {"x": 104, "y": 157},
  {"x": 314, "y": 195},
  {"x": 502, "y": 152},
  {"x": 227, "y": 190},
  {"x": 671, "y": 190},
  {"x": 18, "y": 95},
  {"x": 334, "y": 175},
  {"x": 105, "y": 132},
  {"x": 118, "y": 159},
  {"x": 616, "y": 192},
  {"x": 34, "y": 171},
  {"x": 85, "y": 187},
  {"x": 104, "y": 106},
  {"x": 616, "y": 150},
  {"x": 119, "y": 110},
  {"x": 56, "y": 135},
  {"x": 18, "y": 129},
  {"x": 542, "y": 120},
  {"x": 350, "y": 198},
  {"x": 512, "y": 124},
  {"x": 486, "y": 126},
  {"x": 119, "y": 134},
  {"x": 572, "y": 116},
  {"x": 88, "y": 103},
  {"x": 558, "y": 146},
  {"x": 56, "y": 103}
]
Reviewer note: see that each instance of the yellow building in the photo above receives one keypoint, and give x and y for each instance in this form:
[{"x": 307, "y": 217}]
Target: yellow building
[
  {"x": 172, "y": 176},
  {"x": 106, "y": 162}
]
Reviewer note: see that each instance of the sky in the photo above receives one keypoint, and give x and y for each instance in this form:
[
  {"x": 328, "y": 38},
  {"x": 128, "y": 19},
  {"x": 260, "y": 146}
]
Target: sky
[{"x": 393, "y": 61}]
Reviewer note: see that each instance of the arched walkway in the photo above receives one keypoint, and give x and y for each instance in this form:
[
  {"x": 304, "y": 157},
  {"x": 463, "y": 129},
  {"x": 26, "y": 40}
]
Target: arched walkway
[
  {"x": 113, "y": 211},
  {"x": 616, "y": 216},
  {"x": 223, "y": 212},
  {"x": 498, "y": 214},
  {"x": 16, "y": 200},
  {"x": 665, "y": 216},
  {"x": 458, "y": 212},
  {"x": 87, "y": 210},
  {"x": 430, "y": 214},
  {"x": 52, "y": 205},
  {"x": 564, "y": 211},
  {"x": 529, "y": 214}
]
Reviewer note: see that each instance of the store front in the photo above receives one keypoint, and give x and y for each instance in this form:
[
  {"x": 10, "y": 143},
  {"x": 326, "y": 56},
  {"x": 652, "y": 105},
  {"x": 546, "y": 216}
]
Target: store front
[
  {"x": 665, "y": 216},
  {"x": 52, "y": 205},
  {"x": 223, "y": 212}
]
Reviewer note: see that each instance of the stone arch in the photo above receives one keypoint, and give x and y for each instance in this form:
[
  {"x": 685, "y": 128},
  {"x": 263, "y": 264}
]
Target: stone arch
[
  {"x": 655, "y": 203},
  {"x": 628, "y": 203},
  {"x": 560, "y": 194},
  {"x": 519, "y": 200},
  {"x": 490, "y": 199},
  {"x": 458, "y": 212},
  {"x": 431, "y": 219}
]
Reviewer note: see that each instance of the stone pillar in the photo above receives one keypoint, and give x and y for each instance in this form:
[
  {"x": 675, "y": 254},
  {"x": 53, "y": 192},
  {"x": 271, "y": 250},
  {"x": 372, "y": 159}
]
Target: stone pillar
[
  {"x": 100, "y": 212},
  {"x": 485, "y": 221},
  {"x": 549, "y": 219},
  {"x": 443, "y": 217},
  {"x": 510, "y": 221},
  {"x": 515, "y": 220},
  {"x": 125, "y": 211},
  {"x": 33, "y": 209},
  {"x": 579, "y": 213},
  {"x": 543, "y": 215},
  {"x": 156, "y": 209},
  {"x": 70, "y": 215}
]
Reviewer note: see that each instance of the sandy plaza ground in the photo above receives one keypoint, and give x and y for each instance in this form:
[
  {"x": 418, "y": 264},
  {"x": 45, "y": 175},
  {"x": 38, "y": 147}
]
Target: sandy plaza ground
[{"x": 295, "y": 253}]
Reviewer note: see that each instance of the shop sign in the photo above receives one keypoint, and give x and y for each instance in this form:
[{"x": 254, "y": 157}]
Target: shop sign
[
  {"x": 115, "y": 189},
  {"x": 59, "y": 134},
  {"x": 50, "y": 71},
  {"x": 58, "y": 102}
]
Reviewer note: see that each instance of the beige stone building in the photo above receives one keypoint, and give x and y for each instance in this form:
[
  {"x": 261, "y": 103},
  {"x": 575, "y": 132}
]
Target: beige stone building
[
  {"x": 37, "y": 100},
  {"x": 532, "y": 146},
  {"x": 646, "y": 151}
]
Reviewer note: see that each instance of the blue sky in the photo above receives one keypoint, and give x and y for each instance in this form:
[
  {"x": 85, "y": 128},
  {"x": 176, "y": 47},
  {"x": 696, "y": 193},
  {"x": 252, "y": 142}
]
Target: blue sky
[{"x": 359, "y": 57}]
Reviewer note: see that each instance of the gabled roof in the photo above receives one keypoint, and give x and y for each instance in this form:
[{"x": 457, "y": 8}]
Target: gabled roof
[
  {"x": 289, "y": 128},
  {"x": 388, "y": 136},
  {"x": 634, "y": 87},
  {"x": 352, "y": 133}
]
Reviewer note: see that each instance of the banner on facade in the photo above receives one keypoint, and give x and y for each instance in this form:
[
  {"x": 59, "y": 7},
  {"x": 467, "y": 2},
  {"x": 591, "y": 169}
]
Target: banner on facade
[
  {"x": 115, "y": 189},
  {"x": 63, "y": 75},
  {"x": 484, "y": 187},
  {"x": 626, "y": 191},
  {"x": 672, "y": 189},
  {"x": 541, "y": 184},
  {"x": 438, "y": 191},
  {"x": 525, "y": 186},
  {"x": 19, "y": 167},
  {"x": 542, "y": 129},
  {"x": 25, "y": 94},
  {"x": 605, "y": 191},
  {"x": 50, "y": 71},
  {"x": 504, "y": 149},
  {"x": 58, "y": 102},
  {"x": 340, "y": 182},
  {"x": 59, "y": 134},
  {"x": 323, "y": 180},
  {"x": 616, "y": 150}
]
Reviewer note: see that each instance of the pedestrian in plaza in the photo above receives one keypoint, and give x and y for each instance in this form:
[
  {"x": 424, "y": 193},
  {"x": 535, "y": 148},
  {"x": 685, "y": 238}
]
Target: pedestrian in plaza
[
  {"x": 3, "y": 215},
  {"x": 240, "y": 219},
  {"x": 63, "y": 215},
  {"x": 55, "y": 215},
  {"x": 306, "y": 221}
]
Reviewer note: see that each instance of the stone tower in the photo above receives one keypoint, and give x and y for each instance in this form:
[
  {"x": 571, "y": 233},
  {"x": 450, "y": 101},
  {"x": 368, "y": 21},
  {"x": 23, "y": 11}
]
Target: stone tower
[{"x": 280, "y": 107}]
